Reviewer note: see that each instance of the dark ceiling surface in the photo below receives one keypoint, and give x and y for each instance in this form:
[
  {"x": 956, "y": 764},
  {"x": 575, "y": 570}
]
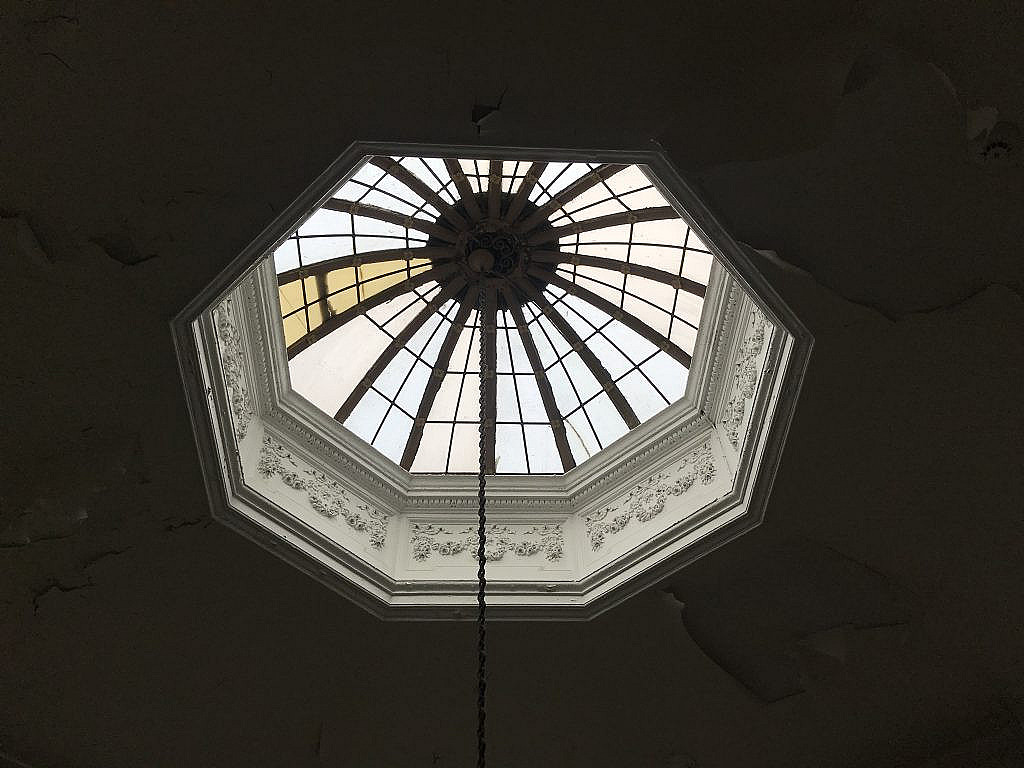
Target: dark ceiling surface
[{"x": 874, "y": 619}]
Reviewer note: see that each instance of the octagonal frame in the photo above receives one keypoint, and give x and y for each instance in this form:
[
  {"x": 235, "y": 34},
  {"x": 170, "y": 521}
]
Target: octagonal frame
[{"x": 718, "y": 520}]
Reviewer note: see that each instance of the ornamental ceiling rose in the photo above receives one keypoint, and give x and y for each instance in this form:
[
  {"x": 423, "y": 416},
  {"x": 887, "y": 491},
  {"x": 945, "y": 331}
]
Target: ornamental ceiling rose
[{"x": 645, "y": 378}]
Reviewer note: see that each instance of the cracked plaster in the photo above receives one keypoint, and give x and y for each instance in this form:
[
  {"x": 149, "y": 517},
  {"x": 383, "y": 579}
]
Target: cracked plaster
[{"x": 904, "y": 456}]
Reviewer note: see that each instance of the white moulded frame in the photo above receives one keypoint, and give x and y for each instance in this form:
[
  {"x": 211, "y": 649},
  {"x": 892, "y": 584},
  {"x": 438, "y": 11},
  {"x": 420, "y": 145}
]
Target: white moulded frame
[{"x": 290, "y": 478}]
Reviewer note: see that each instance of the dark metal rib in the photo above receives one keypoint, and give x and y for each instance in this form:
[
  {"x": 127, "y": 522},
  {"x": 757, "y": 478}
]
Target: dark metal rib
[
  {"x": 613, "y": 265},
  {"x": 586, "y": 353},
  {"x": 392, "y": 217},
  {"x": 547, "y": 396},
  {"x": 600, "y": 222},
  {"x": 574, "y": 190},
  {"x": 321, "y": 289},
  {"x": 522, "y": 194},
  {"x": 444, "y": 358},
  {"x": 421, "y": 188},
  {"x": 465, "y": 190},
  {"x": 436, "y": 254},
  {"x": 630, "y": 321},
  {"x": 438, "y": 273},
  {"x": 494, "y": 190},
  {"x": 396, "y": 345}
]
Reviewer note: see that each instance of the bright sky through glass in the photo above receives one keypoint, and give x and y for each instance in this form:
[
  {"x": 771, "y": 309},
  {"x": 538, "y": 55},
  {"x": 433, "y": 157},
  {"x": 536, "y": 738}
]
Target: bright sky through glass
[{"x": 593, "y": 289}]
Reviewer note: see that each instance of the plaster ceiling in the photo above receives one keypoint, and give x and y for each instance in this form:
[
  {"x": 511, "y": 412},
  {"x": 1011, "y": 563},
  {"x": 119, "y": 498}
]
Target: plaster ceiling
[{"x": 872, "y": 620}]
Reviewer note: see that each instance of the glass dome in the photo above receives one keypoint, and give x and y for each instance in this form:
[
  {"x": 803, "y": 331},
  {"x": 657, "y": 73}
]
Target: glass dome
[{"x": 582, "y": 283}]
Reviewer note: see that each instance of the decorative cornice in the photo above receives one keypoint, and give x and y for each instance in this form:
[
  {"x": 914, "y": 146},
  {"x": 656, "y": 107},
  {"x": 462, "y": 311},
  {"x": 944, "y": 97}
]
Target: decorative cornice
[
  {"x": 654, "y": 449},
  {"x": 521, "y": 541},
  {"x": 647, "y": 500},
  {"x": 248, "y": 294},
  {"x": 495, "y": 500},
  {"x": 744, "y": 384},
  {"x": 302, "y": 435},
  {"x": 721, "y": 345},
  {"x": 325, "y": 495},
  {"x": 232, "y": 363}
]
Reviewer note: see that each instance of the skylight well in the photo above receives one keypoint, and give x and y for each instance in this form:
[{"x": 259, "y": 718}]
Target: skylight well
[
  {"x": 593, "y": 286},
  {"x": 639, "y": 376}
]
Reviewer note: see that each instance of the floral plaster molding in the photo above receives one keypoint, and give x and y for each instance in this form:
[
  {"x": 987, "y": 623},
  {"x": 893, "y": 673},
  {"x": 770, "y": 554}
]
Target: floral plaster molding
[
  {"x": 326, "y": 496},
  {"x": 229, "y": 344},
  {"x": 744, "y": 383},
  {"x": 428, "y": 539},
  {"x": 647, "y": 500},
  {"x": 719, "y": 351}
]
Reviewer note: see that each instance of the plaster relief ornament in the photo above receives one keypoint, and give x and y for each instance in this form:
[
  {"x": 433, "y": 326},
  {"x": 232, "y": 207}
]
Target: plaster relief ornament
[
  {"x": 447, "y": 541},
  {"x": 325, "y": 496},
  {"x": 647, "y": 500},
  {"x": 230, "y": 346},
  {"x": 745, "y": 378}
]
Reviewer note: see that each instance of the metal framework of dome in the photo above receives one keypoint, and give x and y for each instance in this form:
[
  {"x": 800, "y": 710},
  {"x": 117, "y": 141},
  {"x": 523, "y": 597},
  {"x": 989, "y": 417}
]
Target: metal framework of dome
[{"x": 593, "y": 285}]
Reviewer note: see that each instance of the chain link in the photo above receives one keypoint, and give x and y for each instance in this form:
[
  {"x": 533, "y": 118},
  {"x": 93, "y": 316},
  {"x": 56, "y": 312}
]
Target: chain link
[{"x": 481, "y": 574}]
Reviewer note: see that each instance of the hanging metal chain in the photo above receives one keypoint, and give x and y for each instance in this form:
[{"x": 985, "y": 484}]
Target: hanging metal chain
[{"x": 481, "y": 555}]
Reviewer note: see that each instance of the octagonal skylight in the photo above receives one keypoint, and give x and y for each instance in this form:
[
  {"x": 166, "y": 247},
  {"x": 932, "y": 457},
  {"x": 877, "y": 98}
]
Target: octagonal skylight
[
  {"x": 644, "y": 376},
  {"x": 582, "y": 282}
]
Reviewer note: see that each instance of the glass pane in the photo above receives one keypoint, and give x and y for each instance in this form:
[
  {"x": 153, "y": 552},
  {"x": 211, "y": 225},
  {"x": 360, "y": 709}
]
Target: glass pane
[
  {"x": 520, "y": 360},
  {"x": 584, "y": 381},
  {"x": 504, "y": 362},
  {"x": 432, "y": 455},
  {"x": 689, "y": 307},
  {"x": 425, "y": 333},
  {"x": 564, "y": 395},
  {"x": 592, "y": 314},
  {"x": 509, "y": 450},
  {"x": 393, "y": 435},
  {"x": 326, "y": 222},
  {"x": 286, "y": 256},
  {"x": 697, "y": 266},
  {"x": 612, "y": 359},
  {"x": 469, "y": 402},
  {"x": 507, "y": 404},
  {"x": 447, "y": 398},
  {"x": 659, "y": 257},
  {"x": 667, "y": 374},
  {"x": 664, "y": 232},
  {"x": 683, "y": 336},
  {"x": 412, "y": 391},
  {"x": 644, "y": 398},
  {"x": 529, "y": 399},
  {"x": 629, "y": 179},
  {"x": 578, "y": 426},
  {"x": 540, "y": 444},
  {"x": 367, "y": 415},
  {"x": 605, "y": 419},
  {"x": 316, "y": 249},
  {"x": 648, "y": 314},
  {"x": 393, "y": 375},
  {"x": 465, "y": 449}
]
